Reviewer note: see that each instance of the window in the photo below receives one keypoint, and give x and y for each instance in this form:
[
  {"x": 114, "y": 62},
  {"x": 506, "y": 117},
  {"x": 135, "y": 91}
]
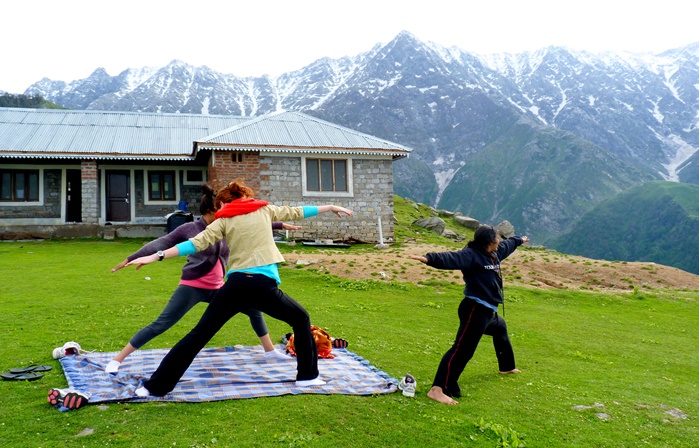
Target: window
[
  {"x": 19, "y": 185},
  {"x": 161, "y": 185},
  {"x": 237, "y": 157},
  {"x": 326, "y": 175},
  {"x": 194, "y": 176}
]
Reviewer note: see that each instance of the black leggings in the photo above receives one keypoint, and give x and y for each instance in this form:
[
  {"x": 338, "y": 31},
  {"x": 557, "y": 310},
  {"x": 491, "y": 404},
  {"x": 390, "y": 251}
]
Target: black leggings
[
  {"x": 475, "y": 320},
  {"x": 241, "y": 291}
]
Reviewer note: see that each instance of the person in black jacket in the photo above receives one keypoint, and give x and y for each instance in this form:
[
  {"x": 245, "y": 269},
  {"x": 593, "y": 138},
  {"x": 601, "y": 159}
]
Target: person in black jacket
[{"x": 479, "y": 263}]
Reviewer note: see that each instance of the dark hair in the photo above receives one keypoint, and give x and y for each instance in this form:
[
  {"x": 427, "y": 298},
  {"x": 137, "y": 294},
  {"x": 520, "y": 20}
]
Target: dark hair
[
  {"x": 206, "y": 202},
  {"x": 231, "y": 192},
  {"x": 484, "y": 236}
]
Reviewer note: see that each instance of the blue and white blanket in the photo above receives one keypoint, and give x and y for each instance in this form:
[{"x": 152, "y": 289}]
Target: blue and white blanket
[{"x": 223, "y": 374}]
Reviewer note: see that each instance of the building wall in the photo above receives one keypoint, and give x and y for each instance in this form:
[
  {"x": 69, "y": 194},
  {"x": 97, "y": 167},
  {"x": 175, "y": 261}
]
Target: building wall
[
  {"x": 90, "y": 192},
  {"x": 228, "y": 166},
  {"x": 281, "y": 184},
  {"x": 49, "y": 209},
  {"x": 277, "y": 179}
]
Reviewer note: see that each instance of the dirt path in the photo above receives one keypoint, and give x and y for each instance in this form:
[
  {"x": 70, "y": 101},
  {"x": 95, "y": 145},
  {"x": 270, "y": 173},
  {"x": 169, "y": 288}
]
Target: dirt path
[{"x": 536, "y": 268}]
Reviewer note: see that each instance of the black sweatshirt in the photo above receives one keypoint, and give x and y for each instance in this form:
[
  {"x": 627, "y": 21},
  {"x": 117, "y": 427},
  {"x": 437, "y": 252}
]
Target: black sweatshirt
[{"x": 481, "y": 270}]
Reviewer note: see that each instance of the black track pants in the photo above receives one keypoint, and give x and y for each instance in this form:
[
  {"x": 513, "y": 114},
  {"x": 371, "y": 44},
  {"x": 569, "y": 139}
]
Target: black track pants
[{"x": 475, "y": 320}]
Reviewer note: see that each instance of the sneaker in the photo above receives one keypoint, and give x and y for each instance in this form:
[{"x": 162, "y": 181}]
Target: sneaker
[
  {"x": 68, "y": 398},
  {"x": 69, "y": 348},
  {"x": 408, "y": 385},
  {"x": 339, "y": 343}
]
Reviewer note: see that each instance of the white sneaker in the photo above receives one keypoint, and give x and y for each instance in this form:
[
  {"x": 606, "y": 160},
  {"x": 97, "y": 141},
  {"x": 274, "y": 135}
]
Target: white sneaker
[
  {"x": 142, "y": 392},
  {"x": 276, "y": 354},
  {"x": 308, "y": 383},
  {"x": 69, "y": 348},
  {"x": 408, "y": 385},
  {"x": 113, "y": 367}
]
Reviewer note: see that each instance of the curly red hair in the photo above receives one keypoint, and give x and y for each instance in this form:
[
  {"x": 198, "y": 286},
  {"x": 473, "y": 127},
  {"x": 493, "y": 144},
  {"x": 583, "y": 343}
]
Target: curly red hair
[{"x": 231, "y": 192}]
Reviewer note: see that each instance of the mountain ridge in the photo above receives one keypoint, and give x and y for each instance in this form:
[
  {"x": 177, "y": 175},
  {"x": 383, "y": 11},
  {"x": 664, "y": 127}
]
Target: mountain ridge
[{"x": 457, "y": 109}]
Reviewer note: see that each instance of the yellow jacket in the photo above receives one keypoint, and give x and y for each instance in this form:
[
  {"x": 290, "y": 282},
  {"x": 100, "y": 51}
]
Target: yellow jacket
[{"x": 249, "y": 239}]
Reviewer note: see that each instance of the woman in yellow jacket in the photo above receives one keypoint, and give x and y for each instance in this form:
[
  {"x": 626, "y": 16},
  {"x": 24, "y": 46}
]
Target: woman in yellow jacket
[{"x": 252, "y": 282}]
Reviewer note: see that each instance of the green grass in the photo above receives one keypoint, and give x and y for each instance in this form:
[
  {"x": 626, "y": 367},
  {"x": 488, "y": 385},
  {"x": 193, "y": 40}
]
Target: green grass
[{"x": 631, "y": 353}]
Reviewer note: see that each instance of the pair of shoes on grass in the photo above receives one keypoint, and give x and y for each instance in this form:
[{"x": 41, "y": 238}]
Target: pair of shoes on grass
[
  {"x": 68, "y": 398},
  {"x": 408, "y": 385},
  {"x": 29, "y": 373}
]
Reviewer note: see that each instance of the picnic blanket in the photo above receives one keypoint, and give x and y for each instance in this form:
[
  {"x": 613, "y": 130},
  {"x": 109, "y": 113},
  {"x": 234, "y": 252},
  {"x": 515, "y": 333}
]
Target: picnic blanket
[{"x": 224, "y": 373}]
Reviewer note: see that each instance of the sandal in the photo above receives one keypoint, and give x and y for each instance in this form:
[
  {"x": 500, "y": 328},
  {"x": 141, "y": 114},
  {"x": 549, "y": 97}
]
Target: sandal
[
  {"x": 339, "y": 343},
  {"x": 31, "y": 368},
  {"x": 30, "y": 376}
]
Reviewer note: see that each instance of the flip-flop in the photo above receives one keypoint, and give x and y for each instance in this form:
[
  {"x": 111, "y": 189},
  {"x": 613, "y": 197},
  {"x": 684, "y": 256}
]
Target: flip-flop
[
  {"x": 31, "y": 368},
  {"x": 31, "y": 376},
  {"x": 339, "y": 343}
]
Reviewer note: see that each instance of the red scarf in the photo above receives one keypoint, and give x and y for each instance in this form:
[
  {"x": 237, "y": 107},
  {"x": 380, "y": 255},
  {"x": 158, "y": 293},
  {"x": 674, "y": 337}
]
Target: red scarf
[{"x": 240, "y": 206}]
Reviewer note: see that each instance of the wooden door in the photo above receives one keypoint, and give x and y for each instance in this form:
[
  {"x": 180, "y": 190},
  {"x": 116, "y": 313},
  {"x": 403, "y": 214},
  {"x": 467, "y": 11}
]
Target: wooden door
[{"x": 117, "y": 193}]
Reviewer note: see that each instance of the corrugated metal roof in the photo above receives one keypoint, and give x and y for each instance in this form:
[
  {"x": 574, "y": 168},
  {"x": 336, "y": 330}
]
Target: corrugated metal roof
[
  {"x": 150, "y": 136},
  {"x": 297, "y": 130},
  {"x": 71, "y": 134}
]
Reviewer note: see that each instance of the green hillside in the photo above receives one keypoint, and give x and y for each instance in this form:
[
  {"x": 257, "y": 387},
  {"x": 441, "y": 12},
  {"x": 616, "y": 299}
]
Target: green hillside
[
  {"x": 538, "y": 178},
  {"x": 657, "y": 221},
  {"x": 27, "y": 101}
]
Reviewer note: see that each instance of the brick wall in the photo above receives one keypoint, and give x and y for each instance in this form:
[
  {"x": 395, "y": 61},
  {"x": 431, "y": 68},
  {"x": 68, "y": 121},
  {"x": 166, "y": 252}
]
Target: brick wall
[{"x": 227, "y": 166}]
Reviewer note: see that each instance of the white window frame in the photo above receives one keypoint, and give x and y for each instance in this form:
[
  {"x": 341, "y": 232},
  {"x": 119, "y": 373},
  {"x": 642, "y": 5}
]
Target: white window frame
[
  {"x": 41, "y": 187},
  {"x": 146, "y": 191},
  {"x": 186, "y": 180},
  {"x": 343, "y": 194}
]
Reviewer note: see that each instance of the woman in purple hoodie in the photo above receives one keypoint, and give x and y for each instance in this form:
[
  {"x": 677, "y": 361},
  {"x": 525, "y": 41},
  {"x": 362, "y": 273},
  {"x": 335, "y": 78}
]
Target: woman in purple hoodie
[{"x": 202, "y": 276}]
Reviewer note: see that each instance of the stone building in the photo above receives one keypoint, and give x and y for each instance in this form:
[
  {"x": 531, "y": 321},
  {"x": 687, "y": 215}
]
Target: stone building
[{"x": 91, "y": 173}]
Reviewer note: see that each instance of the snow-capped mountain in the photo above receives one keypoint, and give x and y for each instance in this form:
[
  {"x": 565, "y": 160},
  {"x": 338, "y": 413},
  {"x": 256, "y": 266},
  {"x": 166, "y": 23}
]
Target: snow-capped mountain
[{"x": 621, "y": 119}]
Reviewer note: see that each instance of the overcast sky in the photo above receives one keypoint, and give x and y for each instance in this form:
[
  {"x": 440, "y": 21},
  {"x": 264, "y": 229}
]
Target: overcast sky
[{"x": 68, "y": 40}]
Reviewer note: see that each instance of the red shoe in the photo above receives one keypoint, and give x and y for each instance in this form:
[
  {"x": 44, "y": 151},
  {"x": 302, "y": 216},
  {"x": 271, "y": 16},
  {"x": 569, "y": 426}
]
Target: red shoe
[
  {"x": 339, "y": 343},
  {"x": 68, "y": 398}
]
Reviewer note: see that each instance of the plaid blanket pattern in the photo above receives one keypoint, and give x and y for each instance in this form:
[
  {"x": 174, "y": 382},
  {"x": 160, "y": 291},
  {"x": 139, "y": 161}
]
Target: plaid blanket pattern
[{"x": 224, "y": 373}]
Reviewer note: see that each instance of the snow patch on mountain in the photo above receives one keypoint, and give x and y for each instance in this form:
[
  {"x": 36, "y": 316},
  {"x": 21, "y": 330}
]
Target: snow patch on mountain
[{"x": 683, "y": 152}]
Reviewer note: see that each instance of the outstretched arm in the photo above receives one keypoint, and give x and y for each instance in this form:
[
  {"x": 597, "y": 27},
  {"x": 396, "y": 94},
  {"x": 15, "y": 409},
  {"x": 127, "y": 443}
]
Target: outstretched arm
[
  {"x": 148, "y": 259},
  {"x": 419, "y": 258},
  {"x": 339, "y": 211}
]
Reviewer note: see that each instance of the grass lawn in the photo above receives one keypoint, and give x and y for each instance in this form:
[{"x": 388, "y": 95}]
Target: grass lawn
[{"x": 599, "y": 370}]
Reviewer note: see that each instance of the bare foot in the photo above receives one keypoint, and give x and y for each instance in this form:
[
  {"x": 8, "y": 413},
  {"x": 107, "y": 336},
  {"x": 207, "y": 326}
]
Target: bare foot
[
  {"x": 511, "y": 371},
  {"x": 437, "y": 395}
]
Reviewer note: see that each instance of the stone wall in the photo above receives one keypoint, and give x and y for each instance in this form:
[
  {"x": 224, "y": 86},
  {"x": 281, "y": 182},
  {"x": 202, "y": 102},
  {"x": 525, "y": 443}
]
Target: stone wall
[
  {"x": 90, "y": 192},
  {"x": 280, "y": 179},
  {"x": 51, "y": 207}
]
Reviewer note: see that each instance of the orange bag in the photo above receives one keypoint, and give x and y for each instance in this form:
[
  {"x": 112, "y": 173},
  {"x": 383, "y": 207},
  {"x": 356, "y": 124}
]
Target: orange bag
[{"x": 323, "y": 341}]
